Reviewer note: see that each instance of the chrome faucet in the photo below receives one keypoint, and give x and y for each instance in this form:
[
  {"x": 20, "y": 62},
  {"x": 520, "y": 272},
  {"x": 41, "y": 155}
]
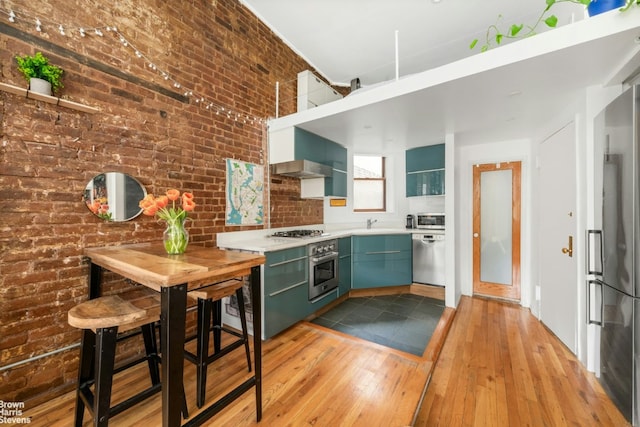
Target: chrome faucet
[{"x": 370, "y": 222}]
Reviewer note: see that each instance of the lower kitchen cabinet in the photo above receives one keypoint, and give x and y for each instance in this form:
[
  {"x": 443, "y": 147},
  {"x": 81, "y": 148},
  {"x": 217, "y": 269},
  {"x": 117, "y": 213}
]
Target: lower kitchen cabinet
[
  {"x": 364, "y": 262},
  {"x": 381, "y": 260},
  {"x": 286, "y": 289},
  {"x": 344, "y": 265}
]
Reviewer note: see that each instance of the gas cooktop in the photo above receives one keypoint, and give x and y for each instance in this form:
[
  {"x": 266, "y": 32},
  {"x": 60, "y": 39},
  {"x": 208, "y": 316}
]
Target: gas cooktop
[{"x": 298, "y": 234}]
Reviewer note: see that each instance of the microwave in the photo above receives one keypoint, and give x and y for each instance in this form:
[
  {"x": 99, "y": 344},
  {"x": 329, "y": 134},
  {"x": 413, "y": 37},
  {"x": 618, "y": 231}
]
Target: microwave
[{"x": 430, "y": 221}]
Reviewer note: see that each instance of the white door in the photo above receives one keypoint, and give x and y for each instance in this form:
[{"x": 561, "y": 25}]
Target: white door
[{"x": 557, "y": 225}]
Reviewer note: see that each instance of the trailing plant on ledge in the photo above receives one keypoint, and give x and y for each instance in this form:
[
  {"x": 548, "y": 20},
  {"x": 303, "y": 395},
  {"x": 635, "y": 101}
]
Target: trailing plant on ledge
[{"x": 519, "y": 31}]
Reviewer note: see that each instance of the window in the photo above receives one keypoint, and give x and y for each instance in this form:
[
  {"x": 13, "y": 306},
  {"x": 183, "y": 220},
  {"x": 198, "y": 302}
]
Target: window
[{"x": 369, "y": 184}]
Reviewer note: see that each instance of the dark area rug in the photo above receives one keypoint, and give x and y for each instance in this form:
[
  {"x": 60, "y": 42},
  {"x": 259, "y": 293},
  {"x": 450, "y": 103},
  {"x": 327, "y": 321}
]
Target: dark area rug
[{"x": 404, "y": 322}]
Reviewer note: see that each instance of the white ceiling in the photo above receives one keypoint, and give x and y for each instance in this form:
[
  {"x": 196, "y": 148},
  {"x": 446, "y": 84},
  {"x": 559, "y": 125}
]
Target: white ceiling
[
  {"x": 511, "y": 92},
  {"x": 344, "y": 39}
]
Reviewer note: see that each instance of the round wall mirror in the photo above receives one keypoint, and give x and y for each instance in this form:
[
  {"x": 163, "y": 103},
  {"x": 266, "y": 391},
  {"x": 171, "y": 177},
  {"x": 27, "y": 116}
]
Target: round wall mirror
[{"x": 114, "y": 196}]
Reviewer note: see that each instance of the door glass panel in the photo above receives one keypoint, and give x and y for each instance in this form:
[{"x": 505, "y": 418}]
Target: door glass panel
[{"x": 495, "y": 223}]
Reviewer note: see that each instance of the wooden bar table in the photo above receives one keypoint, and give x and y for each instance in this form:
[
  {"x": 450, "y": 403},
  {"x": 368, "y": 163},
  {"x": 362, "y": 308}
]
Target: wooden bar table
[{"x": 173, "y": 276}]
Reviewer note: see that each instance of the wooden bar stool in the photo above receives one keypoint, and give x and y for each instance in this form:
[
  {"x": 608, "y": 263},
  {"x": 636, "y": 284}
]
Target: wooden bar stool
[
  {"x": 101, "y": 319},
  {"x": 210, "y": 308}
]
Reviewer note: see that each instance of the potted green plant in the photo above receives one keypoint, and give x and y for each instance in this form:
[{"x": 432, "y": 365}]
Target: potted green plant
[
  {"x": 37, "y": 67},
  {"x": 519, "y": 31}
]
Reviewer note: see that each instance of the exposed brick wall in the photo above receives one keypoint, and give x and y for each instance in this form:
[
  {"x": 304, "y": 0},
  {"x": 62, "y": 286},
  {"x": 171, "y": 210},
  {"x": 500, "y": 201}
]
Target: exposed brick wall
[
  {"x": 286, "y": 191},
  {"x": 146, "y": 128}
]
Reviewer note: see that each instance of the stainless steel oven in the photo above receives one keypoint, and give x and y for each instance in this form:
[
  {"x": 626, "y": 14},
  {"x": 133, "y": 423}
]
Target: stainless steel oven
[{"x": 323, "y": 267}]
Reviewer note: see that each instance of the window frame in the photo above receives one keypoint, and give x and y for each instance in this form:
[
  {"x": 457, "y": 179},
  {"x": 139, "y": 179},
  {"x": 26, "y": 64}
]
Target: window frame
[{"x": 383, "y": 159}]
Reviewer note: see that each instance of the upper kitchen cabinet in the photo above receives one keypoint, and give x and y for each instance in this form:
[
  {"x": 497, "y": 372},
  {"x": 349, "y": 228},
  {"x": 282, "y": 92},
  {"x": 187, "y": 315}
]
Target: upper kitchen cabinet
[
  {"x": 295, "y": 144},
  {"x": 425, "y": 170},
  {"x": 336, "y": 184}
]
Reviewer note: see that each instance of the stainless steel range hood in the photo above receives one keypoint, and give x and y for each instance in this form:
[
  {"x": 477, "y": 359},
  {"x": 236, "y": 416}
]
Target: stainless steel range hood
[{"x": 301, "y": 169}]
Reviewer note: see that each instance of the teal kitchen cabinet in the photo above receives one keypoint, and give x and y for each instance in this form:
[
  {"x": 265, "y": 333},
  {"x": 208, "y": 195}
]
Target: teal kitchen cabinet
[
  {"x": 425, "y": 171},
  {"x": 381, "y": 260},
  {"x": 344, "y": 265},
  {"x": 336, "y": 184},
  {"x": 286, "y": 289},
  {"x": 309, "y": 146},
  {"x": 299, "y": 144},
  {"x": 336, "y": 155}
]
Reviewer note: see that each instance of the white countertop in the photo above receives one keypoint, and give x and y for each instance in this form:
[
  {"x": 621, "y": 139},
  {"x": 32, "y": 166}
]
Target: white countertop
[{"x": 261, "y": 241}]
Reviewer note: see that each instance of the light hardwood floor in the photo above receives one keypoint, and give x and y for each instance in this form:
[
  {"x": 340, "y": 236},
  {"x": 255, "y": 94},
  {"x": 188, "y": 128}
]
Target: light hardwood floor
[
  {"x": 498, "y": 366},
  {"x": 501, "y": 367}
]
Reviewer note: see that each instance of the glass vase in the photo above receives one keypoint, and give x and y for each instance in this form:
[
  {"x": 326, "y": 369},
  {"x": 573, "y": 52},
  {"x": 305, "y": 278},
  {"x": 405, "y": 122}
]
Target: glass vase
[{"x": 175, "y": 236}]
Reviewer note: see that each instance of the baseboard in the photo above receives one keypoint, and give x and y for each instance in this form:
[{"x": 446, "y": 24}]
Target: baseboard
[{"x": 430, "y": 291}]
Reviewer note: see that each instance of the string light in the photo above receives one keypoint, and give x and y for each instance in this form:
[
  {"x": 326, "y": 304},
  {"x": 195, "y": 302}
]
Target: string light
[{"x": 97, "y": 31}]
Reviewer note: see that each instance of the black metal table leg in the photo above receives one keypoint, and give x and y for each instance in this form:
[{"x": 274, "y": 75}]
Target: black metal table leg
[
  {"x": 95, "y": 279},
  {"x": 257, "y": 336},
  {"x": 172, "y": 317}
]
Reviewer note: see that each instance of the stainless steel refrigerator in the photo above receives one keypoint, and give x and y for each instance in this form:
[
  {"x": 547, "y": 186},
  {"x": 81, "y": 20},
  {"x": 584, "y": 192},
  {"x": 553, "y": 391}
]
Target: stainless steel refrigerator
[{"x": 614, "y": 255}]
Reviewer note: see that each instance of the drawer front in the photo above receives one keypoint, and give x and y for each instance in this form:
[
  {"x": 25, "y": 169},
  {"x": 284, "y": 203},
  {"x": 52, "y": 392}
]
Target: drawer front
[
  {"x": 286, "y": 289},
  {"x": 284, "y": 309},
  {"x": 383, "y": 260},
  {"x": 385, "y": 243},
  {"x": 285, "y": 270},
  {"x": 377, "y": 272},
  {"x": 278, "y": 257}
]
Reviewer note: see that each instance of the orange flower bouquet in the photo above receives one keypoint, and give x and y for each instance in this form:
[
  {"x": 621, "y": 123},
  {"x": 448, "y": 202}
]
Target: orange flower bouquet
[{"x": 172, "y": 208}]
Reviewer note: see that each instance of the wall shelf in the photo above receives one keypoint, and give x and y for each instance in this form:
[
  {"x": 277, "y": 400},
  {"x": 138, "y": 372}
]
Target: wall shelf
[{"x": 46, "y": 98}]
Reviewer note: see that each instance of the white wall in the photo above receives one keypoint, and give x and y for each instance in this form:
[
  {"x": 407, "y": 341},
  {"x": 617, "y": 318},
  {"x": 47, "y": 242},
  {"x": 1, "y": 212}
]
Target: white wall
[
  {"x": 466, "y": 157},
  {"x": 398, "y": 205},
  {"x": 396, "y": 200}
]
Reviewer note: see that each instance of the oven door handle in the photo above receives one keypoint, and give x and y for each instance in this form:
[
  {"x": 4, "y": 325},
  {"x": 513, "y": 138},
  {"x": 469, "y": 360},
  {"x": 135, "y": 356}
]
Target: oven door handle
[{"x": 332, "y": 255}]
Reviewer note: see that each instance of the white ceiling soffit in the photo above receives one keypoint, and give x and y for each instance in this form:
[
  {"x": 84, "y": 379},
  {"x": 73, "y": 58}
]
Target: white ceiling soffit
[{"x": 345, "y": 39}]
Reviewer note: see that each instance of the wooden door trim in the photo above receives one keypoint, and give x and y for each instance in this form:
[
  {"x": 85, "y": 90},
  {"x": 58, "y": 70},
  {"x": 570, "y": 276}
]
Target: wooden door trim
[{"x": 495, "y": 289}]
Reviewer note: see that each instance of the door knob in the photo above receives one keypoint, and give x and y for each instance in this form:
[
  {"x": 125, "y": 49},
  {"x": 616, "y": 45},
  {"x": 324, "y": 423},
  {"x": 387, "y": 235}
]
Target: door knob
[
  {"x": 475, "y": 234},
  {"x": 569, "y": 250}
]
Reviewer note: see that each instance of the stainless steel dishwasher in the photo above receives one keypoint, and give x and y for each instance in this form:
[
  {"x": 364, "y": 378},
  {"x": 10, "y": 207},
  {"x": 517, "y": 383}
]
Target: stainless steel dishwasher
[{"x": 428, "y": 257}]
